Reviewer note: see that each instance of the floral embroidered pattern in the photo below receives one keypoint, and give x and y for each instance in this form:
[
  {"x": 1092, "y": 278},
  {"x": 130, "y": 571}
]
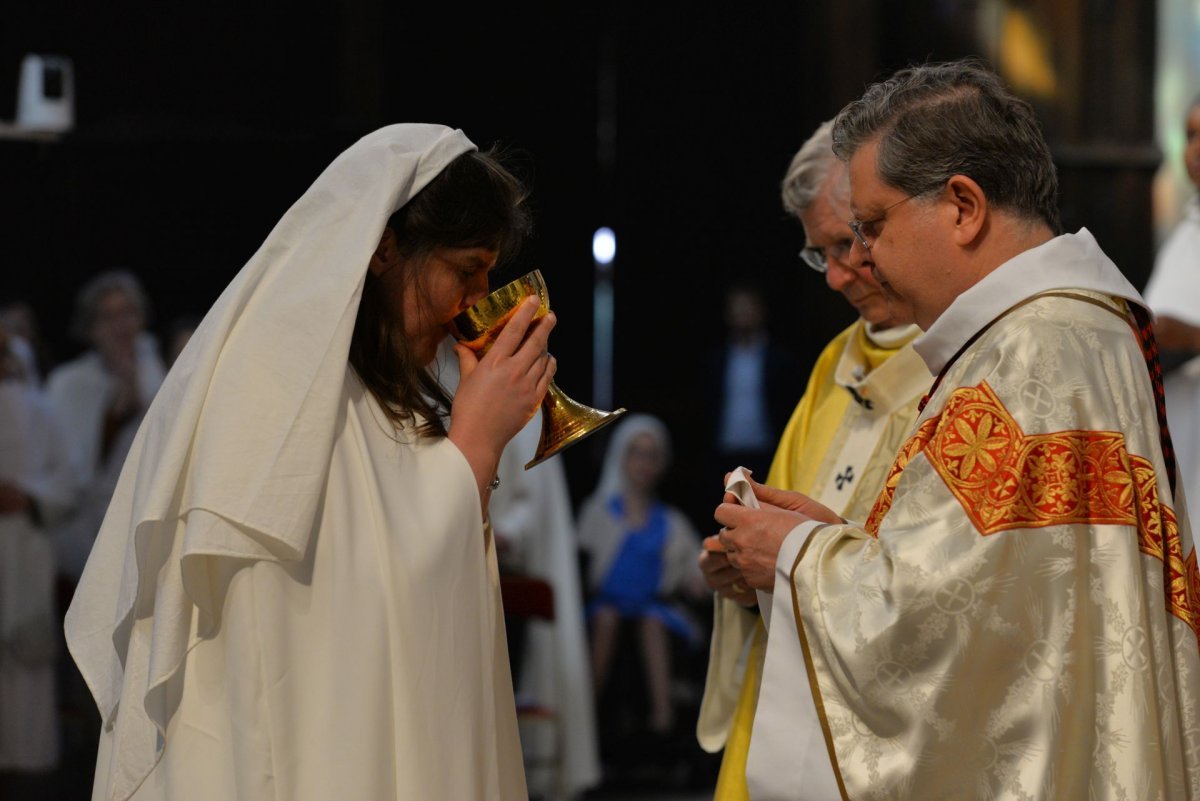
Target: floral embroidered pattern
[
  {"x": 1004, "y": 479},
  {"x": 915, "y": 444}
]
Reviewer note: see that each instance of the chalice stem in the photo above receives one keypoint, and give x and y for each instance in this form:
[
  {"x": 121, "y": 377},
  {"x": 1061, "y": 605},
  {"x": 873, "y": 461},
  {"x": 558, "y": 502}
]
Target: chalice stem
[{"x": 566, "y": 421}]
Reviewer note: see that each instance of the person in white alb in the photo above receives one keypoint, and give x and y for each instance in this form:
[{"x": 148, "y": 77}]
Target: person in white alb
[
  {"x": 293, "y": 594},
  {"x": 1017, "y": 616},
  {"x": 36, "y": 487},
  {"x": 1173, "y": 294}
]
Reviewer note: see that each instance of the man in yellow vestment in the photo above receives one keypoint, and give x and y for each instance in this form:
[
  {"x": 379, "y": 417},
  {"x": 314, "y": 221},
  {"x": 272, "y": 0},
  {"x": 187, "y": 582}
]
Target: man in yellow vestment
[
  {"x": 1017, "y": 616},
  {"x": 856, "y": 412}
]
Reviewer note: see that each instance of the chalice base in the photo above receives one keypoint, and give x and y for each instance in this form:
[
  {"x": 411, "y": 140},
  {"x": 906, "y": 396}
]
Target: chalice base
[{"x": 566, "y": 421}]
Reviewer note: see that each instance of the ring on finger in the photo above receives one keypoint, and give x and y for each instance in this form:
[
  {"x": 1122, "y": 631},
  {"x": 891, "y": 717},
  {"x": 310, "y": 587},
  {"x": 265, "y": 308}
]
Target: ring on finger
[{"x": 737, "y": 587}]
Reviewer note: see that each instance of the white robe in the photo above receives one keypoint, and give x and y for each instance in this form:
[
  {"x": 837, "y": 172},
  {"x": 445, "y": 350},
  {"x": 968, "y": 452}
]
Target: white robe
[
  {"x": 1018, "y": 617},
  {"x": 1174, "y": 291},
  {"x": 376, "y": 667}
]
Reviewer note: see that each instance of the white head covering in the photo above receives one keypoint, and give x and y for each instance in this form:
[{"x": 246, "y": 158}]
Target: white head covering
[
  {"x": 612, "y": 475},
  {"x": 237, "y": 442}
]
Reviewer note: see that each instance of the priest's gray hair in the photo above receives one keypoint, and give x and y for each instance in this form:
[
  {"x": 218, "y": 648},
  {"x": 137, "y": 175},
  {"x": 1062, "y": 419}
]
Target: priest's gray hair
[
  {"x": 810, "y": 168},
  {"x": 87, "y": 301},
  {"x": 936, "y": 121}
]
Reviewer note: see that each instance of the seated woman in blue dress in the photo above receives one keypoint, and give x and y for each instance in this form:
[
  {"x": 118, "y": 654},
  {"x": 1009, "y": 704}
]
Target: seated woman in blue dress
[{"x": 641, "y": 561}]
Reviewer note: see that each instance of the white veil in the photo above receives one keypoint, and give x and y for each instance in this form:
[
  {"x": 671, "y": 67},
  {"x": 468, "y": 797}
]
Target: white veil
[
  {"x": 612, "y": 474},
  {"x": 231, "y": 460}
]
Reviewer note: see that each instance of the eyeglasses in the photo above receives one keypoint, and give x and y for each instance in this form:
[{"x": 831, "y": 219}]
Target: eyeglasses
[
  {"x": 867, "y": 228},
  {"x": 818, "y": 258}
]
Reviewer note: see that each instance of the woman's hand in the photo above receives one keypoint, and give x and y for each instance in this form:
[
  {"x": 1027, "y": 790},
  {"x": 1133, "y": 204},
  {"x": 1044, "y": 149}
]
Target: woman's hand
[{"x": 498, "y": 394}]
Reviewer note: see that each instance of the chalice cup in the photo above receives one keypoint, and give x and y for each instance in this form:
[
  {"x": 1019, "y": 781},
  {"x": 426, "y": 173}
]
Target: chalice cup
[{"x": 564, "y": 421}]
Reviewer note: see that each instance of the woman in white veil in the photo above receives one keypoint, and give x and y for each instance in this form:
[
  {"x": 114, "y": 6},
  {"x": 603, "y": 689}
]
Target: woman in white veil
[{"x": 293, "y": 594}]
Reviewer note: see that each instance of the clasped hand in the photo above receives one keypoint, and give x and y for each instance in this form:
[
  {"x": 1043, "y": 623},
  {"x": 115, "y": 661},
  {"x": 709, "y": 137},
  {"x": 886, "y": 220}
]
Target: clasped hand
[{"x": 741, "y": 557}]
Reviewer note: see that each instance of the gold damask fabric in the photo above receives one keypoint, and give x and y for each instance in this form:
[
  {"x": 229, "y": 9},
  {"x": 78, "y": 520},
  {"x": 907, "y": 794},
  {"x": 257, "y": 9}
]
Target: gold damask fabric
[{"x": 1018, "y": 618}]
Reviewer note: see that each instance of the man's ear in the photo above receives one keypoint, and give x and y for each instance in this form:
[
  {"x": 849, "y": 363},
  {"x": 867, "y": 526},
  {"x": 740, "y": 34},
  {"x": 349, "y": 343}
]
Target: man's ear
[
  {"x": 970, "y": 206},
  {"x": 386, "y": 255}
]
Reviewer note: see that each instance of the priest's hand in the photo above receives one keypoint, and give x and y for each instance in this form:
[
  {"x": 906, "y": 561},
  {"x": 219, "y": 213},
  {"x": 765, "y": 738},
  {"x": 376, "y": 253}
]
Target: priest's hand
[
  {"x": 752, "y": 537},
  {"x": 722, "y": 577},
  {"x": 794, "y": 501}
]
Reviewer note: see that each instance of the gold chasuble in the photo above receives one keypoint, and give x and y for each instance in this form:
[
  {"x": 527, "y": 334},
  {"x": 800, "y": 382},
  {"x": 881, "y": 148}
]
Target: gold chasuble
[
  {"x": 856, "y": 412},
  {"x": 1018, "y": 618}
]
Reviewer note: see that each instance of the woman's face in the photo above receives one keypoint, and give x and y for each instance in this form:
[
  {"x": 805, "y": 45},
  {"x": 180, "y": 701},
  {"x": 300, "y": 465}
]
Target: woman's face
[
  {"x": 644, "y": 462},
  {"x": 1191, "y": 150},
  {"x": 450, "y": 281},
  {"x": 117, "y": 323}
]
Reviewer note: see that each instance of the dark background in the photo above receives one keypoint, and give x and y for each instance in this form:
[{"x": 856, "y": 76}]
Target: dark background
[{"x": 198, "y": 124}]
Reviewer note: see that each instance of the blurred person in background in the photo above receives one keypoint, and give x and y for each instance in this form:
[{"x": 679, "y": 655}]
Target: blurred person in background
[
  {"x": 36, "y": 487},
  {"x": 19, "y": 317},
  {"x": 100, "y": 398},
  {"x": 534, "y": 528},
  {"x": 641, "y": 566},
  {"x": 1173, "y": 294},
  {"x": 753, "y": 382}
]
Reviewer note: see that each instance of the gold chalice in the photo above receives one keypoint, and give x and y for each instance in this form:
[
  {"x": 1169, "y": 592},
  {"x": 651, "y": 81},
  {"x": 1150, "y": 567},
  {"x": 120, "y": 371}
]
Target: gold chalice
[{"x": 564, "y": 421}]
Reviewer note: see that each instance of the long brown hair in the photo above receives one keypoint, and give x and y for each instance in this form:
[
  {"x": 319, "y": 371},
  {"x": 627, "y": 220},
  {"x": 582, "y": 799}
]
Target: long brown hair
[{"x": 474, "y": 202}]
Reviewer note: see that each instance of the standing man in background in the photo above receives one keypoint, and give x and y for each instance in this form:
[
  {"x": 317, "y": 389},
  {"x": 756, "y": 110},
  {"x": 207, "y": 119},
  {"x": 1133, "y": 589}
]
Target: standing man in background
[{"x": 758, "y": 380}]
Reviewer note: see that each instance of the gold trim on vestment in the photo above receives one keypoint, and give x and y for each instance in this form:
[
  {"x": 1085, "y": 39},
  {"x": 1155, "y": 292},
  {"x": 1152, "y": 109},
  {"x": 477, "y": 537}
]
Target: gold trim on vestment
[
  {"x": 811, "y": 668},
  {"x": 1005, "y": 479}
]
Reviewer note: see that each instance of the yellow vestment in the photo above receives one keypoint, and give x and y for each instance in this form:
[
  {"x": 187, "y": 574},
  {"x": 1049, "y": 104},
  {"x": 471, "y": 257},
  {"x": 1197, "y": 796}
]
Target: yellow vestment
[{"x": 857, "y": 410}]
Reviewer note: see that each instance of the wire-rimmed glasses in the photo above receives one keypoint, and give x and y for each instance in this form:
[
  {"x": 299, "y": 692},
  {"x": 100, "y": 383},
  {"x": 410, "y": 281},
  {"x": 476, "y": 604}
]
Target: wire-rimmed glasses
[
  {"x": 867, "y": 228},
  {"x": 818, "y": 258}
]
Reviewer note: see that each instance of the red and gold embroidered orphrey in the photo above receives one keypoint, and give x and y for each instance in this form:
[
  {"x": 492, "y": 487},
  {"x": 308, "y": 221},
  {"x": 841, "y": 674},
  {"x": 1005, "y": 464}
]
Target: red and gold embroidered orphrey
[{"x": 1004, "y": 479}]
